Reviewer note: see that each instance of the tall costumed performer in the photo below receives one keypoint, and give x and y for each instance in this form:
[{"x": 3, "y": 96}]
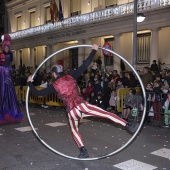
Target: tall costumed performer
[{"x": 9, "y": 105}]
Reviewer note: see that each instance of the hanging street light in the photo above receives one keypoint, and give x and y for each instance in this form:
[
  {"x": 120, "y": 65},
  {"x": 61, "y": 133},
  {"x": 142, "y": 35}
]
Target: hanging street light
[{"x": 140, "y": 17}]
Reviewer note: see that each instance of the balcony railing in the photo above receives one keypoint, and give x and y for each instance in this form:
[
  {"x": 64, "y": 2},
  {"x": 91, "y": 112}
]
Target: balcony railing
[{"x": 115, "y": 11}]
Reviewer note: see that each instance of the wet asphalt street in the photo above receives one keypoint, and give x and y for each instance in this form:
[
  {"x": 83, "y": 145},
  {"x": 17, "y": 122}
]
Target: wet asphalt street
[{"x": 21, "y": 150}]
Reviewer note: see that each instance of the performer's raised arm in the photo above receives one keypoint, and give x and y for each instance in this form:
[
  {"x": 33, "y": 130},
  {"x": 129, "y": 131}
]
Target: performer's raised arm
[{"x": 76, "y": 73}]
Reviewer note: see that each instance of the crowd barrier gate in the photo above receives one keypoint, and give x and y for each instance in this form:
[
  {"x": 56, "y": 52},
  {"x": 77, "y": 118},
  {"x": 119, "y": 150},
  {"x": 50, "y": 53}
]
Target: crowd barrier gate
[{"x": 52, "y": 99}]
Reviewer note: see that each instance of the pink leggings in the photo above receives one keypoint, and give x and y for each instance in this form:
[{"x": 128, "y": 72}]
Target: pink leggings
[{"x": 84, "y": 110}]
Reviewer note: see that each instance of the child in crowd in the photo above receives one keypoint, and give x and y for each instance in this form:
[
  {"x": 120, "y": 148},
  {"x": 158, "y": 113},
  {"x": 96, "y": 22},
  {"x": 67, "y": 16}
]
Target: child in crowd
[
  {"x": 167, "y": 110},
  {"x": 112, "y": 101},
  {"x": 89, "y": 89},
  {"x": 99, "y": 101},
  {"x": 44, "y": 84},
  {"x": 92, "y": 98},
  {"x": 83, "y": 92},
  {"x": 119, "y": 85}
]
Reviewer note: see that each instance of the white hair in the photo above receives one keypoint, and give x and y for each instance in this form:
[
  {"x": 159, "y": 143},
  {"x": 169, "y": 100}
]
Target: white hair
[{"x": 57, "y": 68}]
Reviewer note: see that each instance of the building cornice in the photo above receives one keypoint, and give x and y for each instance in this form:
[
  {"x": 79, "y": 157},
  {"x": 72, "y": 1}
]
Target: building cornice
[
  {"x": 105, "y": 22},
  {"x": 15, "y": 4}
]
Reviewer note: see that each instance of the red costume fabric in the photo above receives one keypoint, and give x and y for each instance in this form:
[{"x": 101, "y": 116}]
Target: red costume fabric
[
  {"x": 77, "y": 107},
  {"x": 2, "y": 59},
  {"x": 67, "y": 91}
]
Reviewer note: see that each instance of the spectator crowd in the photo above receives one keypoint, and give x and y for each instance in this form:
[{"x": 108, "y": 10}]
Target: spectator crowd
[{"x": 100, "y": 88}]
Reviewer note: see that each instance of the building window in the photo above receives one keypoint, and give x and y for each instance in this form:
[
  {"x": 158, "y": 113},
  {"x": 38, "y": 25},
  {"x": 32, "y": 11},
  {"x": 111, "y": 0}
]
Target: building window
[
  {"x": 110, "y": 3},
  {"x": 32, "y": 19},
  {"x": 143, "y": 48},
  {"x": 75, "y": 13},
  {"x": 18, "y": 23},
  {"x": 75, "y": 7},
  {"x": 47, "y": 15}
]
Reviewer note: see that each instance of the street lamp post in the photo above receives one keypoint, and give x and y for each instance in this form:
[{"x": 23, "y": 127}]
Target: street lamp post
[
  {"x": 135, "y": 35},
  {"x": 137, "y": 18}
]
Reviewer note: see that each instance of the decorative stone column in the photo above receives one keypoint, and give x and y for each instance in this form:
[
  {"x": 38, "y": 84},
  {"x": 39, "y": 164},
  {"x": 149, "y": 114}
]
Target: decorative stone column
[
  {"x": 53, "y": 60},
  {"x": 14, "y": 57},
  {"x": 101, "y": 3},
  {"x": 48, "y": 63},
  {"x": 32, "y": 57},
  {"x": 17, "y": 59},
  {"x": 116, "y": 60},
  {"x": 87, "y": 50}
]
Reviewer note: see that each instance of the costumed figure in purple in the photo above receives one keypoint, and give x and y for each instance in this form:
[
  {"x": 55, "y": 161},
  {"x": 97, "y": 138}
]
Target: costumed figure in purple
[{"x": 9, "y": 105}]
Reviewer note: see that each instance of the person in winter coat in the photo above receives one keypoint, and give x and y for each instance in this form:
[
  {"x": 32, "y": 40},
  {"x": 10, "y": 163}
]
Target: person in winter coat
[
  {"x": 146, "y": 77},
  {"x": 128, "y": 104},
  {"x": 99, "y": 63},
  {"x": 97, "y": 87},
  {"x": 112, "y": 101},
  {"x": 154, "y": 67},
  {"x": 157, "y": 99}
]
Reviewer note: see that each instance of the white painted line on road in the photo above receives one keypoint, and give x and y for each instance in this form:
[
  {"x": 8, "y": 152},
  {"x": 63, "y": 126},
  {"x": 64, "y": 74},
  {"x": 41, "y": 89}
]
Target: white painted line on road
[
  {"x": 164, "y": 152},
  {"x": 24, "y": 129},
  {"x": 1, "y": 134},
  {"x": 134, "y": 164},
  {"x": 55, "y": 124}
]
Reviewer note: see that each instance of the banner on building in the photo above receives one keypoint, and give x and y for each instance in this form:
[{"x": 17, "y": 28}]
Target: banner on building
[
  {"x": 61, "y": 18},
  {"x": 53, "y": 11}
]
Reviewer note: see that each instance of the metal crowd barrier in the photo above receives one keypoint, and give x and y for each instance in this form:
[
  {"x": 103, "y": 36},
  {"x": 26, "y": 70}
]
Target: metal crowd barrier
[
  {"x": 121, "y": 93},
  {"x": 50, "y": 100}
]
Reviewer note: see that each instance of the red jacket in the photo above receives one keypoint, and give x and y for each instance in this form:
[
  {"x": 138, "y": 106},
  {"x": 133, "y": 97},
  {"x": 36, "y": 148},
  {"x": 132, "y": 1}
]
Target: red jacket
[{"x": 88, "y": 91}]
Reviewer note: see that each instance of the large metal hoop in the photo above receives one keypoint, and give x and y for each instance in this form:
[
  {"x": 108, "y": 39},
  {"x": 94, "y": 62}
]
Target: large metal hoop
[{"x": 104, "y": 156}]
